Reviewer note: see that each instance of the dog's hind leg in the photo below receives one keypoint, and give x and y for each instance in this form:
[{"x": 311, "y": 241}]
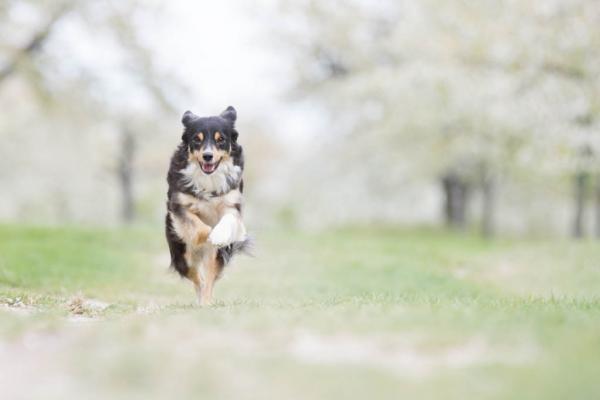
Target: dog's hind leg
[
  {"x": 194, "y": 276},
  {"x": 210, "y": 272}
]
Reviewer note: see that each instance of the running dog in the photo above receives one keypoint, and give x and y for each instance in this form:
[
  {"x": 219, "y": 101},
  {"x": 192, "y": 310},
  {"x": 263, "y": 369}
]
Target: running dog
[{"x": 204, "y": 226}]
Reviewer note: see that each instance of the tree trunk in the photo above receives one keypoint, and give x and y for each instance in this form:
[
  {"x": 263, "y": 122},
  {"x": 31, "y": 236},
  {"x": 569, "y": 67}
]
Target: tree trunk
[
  {"x": 581, "y": 182},
  {"x": 446, "y": 184},
  {"x": 456, "y": 193},
  {"x": 125, "y": 174},
  {"x": 488, "y": 206},
  {"x": 462, "y": 194}
]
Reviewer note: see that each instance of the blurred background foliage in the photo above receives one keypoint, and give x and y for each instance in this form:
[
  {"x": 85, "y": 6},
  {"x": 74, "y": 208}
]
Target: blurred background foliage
[{"x": 468, "y": 115}]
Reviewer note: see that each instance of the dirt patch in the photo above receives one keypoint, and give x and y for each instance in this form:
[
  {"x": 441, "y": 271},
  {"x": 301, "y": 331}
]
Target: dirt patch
[
  {"x": 17, "y": 305},
  {"x": 80, "y": 306}
]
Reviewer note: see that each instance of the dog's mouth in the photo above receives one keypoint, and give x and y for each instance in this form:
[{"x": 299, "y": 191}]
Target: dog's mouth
[{"x": 209, "y": 167}]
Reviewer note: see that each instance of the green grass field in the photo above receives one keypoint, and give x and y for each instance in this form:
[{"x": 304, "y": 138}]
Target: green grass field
[{"x": 355, "y": 313}]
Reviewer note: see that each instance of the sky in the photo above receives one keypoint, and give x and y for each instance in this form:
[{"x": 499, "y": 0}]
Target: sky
[{"x": 220, "y": 50}]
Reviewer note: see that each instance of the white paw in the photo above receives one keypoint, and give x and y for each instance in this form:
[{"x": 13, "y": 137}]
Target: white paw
[
  {"x": 223, "y": 233},
  {"x": 241, "y": 234}
]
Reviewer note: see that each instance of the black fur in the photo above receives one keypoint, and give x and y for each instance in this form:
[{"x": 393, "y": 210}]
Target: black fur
[
  {"x": 225, "y": 124},
  {"x": 176, "y": 248}
]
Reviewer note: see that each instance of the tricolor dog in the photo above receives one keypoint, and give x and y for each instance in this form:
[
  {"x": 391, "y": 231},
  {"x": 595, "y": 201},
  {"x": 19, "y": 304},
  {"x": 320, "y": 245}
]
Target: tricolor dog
[{"x": 204, "y": 226}]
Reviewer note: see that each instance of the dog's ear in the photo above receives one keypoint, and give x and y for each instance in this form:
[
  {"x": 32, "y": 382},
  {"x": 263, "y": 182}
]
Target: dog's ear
[
  {"x": 229, "y": 114},
  {"x": 188, "y": 117}
]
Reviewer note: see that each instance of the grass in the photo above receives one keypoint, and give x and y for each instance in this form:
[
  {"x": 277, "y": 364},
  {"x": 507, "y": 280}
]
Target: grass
[{"x": 352, "y": 313}]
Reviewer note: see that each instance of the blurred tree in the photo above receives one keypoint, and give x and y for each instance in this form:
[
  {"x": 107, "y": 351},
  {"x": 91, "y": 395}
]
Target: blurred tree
[
  {"x": 459, "y": 90},
  {"x": 34, "y": 43},
  {"x": 59, "y": 72}
]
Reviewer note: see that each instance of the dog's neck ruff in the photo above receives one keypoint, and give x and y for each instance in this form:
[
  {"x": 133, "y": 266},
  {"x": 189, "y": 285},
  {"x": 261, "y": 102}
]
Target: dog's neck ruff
[{"x": 226, "y": 178}]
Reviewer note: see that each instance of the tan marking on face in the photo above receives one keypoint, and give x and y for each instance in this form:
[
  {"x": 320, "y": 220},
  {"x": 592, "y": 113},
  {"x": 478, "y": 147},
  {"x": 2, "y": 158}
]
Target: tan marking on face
[
  {"x": 200, "y": 136},
  {"x": 222, "y": 155},
  {"x": 195, "y": 155},
  {"x": 217, "y": 136},
  {"x": 218, "y": 155}
]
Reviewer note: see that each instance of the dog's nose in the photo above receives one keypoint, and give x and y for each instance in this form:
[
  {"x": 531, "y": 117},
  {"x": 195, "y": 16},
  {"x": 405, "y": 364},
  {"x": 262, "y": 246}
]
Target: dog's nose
[{"x": 207, "y": 157}]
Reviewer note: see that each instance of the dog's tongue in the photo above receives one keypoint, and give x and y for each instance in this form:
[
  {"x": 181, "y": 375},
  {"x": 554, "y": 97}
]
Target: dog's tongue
[{"x": 208, "y": 167}]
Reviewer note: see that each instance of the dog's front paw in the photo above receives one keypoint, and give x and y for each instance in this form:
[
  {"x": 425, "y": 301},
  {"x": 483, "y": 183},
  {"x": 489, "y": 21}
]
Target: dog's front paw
[{"x": 222, "y": 234}]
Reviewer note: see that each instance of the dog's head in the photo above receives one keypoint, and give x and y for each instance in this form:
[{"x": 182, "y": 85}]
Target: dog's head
[{"x": 210, "y": 140}]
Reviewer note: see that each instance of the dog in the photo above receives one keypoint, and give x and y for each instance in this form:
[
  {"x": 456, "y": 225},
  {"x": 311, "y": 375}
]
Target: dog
[{"x": 203, "y": 225}]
